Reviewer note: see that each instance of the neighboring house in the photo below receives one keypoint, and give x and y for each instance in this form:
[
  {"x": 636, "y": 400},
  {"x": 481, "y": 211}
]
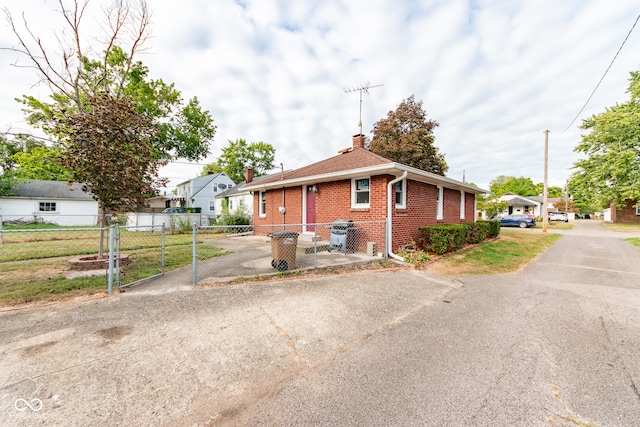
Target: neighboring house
[
  {"x": 355, "y": 185},
  {"x": 201, "y": 192},
  {"x": 527, "y": 204},
  {"x": 55, "y": 202},
  {"x": 159, "y": 203},
  {"x": 237, "y": 197},
  {"x": 627, "y": 214},
  {"x": 521, "y": 205}
]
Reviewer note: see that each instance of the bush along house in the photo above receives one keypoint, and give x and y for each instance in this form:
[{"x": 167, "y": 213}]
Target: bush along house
[{"x": 362, "y": 186}]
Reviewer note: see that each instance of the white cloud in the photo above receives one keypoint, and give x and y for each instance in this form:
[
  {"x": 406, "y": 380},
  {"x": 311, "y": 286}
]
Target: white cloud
[{"x": 494, "y": 74}]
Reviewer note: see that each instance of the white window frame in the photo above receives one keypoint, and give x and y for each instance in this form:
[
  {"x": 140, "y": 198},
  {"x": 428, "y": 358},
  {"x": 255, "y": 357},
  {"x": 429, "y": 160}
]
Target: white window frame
[
  {"x": 262, "y": 206},
  {"x": 354, "y": 199},
  {"x": 638, "y": 208},
  {"x": 53, "y": 205},
  {"x": 440, "y": 203},
  {"x": 214, "y": 187},
  {"x": 462, "y": 204},
  {"x": 403, "y": 194},
  {"x": 212, "y": 205}
]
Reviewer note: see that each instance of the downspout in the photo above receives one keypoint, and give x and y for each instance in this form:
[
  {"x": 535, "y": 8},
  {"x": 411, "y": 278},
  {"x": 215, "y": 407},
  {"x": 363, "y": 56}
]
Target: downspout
[{"x": 390, "y": 200}]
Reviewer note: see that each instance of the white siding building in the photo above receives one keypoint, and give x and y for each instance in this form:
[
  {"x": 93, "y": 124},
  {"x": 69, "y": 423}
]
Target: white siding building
[
  {"x": 201, "y": 192},
  {"x": 56, "y": 202}
]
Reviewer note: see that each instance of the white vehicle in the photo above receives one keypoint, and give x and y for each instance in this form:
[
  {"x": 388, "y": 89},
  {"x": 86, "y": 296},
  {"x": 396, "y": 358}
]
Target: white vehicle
[{"x": 558, "y": 216}]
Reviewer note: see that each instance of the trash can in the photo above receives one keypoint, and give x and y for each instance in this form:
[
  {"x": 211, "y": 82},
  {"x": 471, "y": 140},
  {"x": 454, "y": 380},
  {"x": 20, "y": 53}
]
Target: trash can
[{"x": 283, "y": 249}]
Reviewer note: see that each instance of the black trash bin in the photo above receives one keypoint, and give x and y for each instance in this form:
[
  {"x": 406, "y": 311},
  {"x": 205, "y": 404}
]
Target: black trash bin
[{"x": 283, "y": 249}]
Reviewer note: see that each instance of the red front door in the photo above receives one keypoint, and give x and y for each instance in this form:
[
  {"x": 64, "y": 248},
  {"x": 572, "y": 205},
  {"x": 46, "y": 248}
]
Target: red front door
[{"x": 311, "y": 209}]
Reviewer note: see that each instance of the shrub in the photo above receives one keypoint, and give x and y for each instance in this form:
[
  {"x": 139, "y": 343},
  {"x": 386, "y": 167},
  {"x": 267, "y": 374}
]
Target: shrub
[
  {"x": 494, "y": 228},
  {"x": 234, "y": 220},
  {"x": 479, "y": 231},
  {"x": 445, "y": 238}
]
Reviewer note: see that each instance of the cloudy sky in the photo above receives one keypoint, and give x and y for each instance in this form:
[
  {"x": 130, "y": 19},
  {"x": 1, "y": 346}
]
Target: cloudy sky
[{"x": 494, "y": 73}]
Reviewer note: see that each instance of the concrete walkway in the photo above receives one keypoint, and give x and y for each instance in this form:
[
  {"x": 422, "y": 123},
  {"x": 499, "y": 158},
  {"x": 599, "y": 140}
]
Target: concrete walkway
[{"x": 250, "y": 256}]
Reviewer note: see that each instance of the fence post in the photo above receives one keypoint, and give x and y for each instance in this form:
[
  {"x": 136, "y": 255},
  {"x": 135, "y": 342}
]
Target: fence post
[
  {"x": 163, "y": 248},
  {"x": 195, "y": 255},
  {"x": 315, "y": 246},
  {"x": 1, "y": 233},
  {"x": 117, "y": 258},
  {"x": 111, "y": 253}
]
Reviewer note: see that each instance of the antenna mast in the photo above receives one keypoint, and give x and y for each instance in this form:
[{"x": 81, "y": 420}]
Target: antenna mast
[{"x": 364, "y": 88}]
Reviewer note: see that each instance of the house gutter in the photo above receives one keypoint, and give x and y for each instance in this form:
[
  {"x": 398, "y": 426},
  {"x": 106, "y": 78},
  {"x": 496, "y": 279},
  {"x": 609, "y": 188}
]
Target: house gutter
[{"x": 390, "y": 201}]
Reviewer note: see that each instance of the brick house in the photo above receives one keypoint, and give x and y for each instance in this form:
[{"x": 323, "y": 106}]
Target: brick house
[
  {"x": 354, "y": 185},
  {"x": 627, "y": 214}
]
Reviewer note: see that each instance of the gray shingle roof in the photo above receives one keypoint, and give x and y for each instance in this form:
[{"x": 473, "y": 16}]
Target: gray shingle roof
[
  {"x": 38, "y": 189},
  {"x": 518, "y": 201}
]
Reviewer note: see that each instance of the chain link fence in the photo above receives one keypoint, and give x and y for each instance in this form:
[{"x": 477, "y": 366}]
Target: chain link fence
[
  {"x": 39, "y": 263},
  {"x": 35, "y": 263},
  {"x": 139, "y": 254},
  {"x": 260, "y": 250}
]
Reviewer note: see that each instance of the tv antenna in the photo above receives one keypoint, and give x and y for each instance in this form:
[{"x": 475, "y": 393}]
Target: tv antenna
[{"x": 364, "y": 88}]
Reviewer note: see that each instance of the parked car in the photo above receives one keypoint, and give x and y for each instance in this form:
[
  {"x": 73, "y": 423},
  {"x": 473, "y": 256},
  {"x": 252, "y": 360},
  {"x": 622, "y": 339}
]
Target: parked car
[
  {"x": 174, "y": 210},
  {"x": 558, "y": 216},
  {"x": 518, "y": 220}
]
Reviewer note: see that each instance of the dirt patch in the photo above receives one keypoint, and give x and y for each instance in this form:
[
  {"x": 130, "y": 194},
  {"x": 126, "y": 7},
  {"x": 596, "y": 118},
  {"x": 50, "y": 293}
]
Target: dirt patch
[
  {"x": 113, "y": 334},
  {"x": 37, "y": 349}
]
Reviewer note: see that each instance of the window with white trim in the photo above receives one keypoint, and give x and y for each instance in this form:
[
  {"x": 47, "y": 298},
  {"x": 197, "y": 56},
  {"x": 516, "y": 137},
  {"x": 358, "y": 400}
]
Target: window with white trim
[
  {"x": 401, "y": 194},
  {"x": 360, "y": 194},
  {"x": 263, "y": 203},
  {"x": 212, "y": 205},
  {"x": 214, "y": 187},
  {"x": 638, "y": 208},
  {"x": 462, "y": 201},
  {"x": 47, "y": 207},
  {"x": 440, "y": 202}
]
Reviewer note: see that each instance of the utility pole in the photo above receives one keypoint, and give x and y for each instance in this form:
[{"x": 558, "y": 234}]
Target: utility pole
[
  {"x": 364, "y": 88},
  {"x": 545, "y": 215}
]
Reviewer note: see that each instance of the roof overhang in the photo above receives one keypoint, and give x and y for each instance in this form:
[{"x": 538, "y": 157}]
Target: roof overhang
[{"x": 394, "y": 169}]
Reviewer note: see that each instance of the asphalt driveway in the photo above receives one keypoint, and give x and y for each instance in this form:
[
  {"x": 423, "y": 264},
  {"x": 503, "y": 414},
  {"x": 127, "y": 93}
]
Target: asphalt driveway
[{"x": 191, "y": 358}]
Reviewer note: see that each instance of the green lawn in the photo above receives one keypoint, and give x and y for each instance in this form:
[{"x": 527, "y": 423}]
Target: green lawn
[
  {"x": 556, "y": 225},
  {"x": 33, "y": 265},
  {"x": 634, "y": 241},
  {"x": 512, "y": 250},
  {"x": 624, "y": 228}
]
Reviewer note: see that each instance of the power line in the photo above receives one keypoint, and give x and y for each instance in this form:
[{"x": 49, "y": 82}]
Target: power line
[{"x": 605, "y": 73}]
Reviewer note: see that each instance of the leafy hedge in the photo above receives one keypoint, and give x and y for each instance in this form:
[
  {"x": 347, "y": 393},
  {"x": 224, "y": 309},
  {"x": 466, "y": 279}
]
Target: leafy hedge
[{"x": 452, "y": 237}]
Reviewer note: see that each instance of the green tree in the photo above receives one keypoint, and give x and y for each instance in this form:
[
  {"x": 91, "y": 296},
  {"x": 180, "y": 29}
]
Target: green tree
[
  {"x": 510, "y": 184},
  {"x": 110, "y": 148},
  {"x": 40, "y": 162},
  {"x": 84, "y": 74},
  {"x": 491, "y": 205},
  {"x": 240, "y": 155},
  {"x": 610, "y": 170},
  {"x": 553, "y": 191},
  {"x": 406, "y": 136}
]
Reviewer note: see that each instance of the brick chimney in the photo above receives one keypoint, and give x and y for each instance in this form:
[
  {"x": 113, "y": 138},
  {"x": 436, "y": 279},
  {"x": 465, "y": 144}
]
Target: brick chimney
[
  {"x": 248, "y": 177},
  {"x": 359, "y": 140}
]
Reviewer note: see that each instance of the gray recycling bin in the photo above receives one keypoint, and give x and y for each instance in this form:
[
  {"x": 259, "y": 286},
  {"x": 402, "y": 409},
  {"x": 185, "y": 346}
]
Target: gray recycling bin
[{"x": 283, "y": 249}]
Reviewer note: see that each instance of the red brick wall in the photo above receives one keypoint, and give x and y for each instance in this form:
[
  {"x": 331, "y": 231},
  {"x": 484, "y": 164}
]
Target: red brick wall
[
  {"x": 625, "y": 214},
  {"x": 333, "y": 201}
]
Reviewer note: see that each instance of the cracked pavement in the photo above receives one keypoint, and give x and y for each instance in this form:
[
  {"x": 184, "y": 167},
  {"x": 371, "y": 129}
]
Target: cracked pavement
[
  {"x": 554, "y": 344},
  {"x": 191, "y": 358}
]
